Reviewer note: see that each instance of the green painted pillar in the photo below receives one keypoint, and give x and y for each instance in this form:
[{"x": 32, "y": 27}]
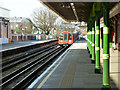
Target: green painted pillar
[
  {"x": 93, "y": 33},
  {"x": 93, "y": 42},
  {"x": 90, "y": 27},
  {"x": 101, "y": 40},
  {"x": 97, "y": 63},
  {"x": 87, "y": 38},
  {"x": 106, "y": 77}
]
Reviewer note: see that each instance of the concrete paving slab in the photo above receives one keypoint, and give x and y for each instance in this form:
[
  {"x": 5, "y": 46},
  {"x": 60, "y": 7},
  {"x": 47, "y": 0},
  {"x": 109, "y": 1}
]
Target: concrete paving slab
[{"x": 75, "y": 71}]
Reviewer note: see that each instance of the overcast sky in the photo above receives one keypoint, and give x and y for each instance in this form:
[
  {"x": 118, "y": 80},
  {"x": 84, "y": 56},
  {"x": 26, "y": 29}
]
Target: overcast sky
[{"x": 21, "y": 8}]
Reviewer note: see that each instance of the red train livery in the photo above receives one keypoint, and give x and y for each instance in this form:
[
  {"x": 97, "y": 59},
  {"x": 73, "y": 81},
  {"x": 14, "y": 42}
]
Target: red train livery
[{"x": 66, "y": 38}]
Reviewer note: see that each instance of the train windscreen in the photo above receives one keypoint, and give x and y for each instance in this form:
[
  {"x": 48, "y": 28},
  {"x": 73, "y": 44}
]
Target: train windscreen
[
  {"x": 61, "y": 36},
  {"x": 70, "y": 37},
  {"x": 65, "y": 37}
]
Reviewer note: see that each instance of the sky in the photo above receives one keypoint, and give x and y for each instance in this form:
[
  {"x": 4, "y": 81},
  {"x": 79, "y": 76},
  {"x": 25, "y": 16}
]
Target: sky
[{"x": 21, "y": 8}]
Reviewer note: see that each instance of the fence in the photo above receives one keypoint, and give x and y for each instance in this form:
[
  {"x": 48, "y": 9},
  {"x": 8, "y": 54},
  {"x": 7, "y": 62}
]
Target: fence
[{"x": 20, "y": 37}]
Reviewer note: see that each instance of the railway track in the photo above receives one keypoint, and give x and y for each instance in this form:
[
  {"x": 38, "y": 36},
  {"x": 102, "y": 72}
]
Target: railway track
[
  {"x": 24, "y": 75},
  {"x": 12, "y": 62},
  {"x": 13, "y": 52},
  {"x": 9, "y": 59}
]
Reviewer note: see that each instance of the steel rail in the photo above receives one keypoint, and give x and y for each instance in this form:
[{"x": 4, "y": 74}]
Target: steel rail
[
  {"x": 24, "y": 59},
  {"x": 14, "y": 58},
  {"x": 25, "y": 68},
  {"x": 27, "y": 80}
]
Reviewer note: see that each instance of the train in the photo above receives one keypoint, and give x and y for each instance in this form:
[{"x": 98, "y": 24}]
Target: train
[{"x": 67, "y": 38}]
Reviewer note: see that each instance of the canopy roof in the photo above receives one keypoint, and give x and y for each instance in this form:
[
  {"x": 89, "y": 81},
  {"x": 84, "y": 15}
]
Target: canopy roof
[{"x": 75, "y": 11}]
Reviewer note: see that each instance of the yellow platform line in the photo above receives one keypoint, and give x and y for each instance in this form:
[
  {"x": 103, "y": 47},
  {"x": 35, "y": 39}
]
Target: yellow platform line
[{"x": 41, "y": 84}]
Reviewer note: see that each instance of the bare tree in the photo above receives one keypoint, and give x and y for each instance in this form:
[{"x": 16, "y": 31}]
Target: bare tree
[
  {"x": 44, "y": 20},
  {"x": 30, "y": 26}
]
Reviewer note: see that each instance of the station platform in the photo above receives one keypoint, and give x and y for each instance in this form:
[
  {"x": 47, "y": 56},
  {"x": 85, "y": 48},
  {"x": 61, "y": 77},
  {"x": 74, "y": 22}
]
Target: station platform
[
  {"x": 19, "y": 44},
  {"x": 73, "y": 69}
]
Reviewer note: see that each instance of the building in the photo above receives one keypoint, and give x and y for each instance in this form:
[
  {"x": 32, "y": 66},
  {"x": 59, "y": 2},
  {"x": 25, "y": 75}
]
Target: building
[
  {"x": 73, "y": 26},
  {"x": 115, "y": 24},
  {"x": 21, "y": 28},
  {"x": 18, "y": 25},
  {"x": 5, "y": 32}
]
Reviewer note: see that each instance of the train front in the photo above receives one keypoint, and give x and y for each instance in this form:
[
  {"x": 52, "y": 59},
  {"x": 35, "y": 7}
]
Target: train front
[{"x": 65, "y": 38}]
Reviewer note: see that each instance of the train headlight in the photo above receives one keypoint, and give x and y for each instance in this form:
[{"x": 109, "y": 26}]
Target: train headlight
[
  {"x": 70, "y": 40},
  {"x": 60, "y": 40}
]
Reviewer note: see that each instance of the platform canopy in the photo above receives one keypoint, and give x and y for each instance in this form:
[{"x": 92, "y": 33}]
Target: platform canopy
[{"x": 73, "y": 11}]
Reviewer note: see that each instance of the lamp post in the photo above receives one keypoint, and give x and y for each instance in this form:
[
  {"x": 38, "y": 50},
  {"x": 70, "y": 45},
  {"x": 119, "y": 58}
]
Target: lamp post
[
  {"x": 55, "y": 34},
  {"x": 60, "y": 27},
  {"x": 22, "y": 34},
  {"x": 15, "y": 26},
  {"x": 25, "y": 29},
  {"x": 20, "y": 23},
  {"x": 16, "y": 31},
  {"x": 33, "y": 29},
  {"x": 25, "y": 32}
]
